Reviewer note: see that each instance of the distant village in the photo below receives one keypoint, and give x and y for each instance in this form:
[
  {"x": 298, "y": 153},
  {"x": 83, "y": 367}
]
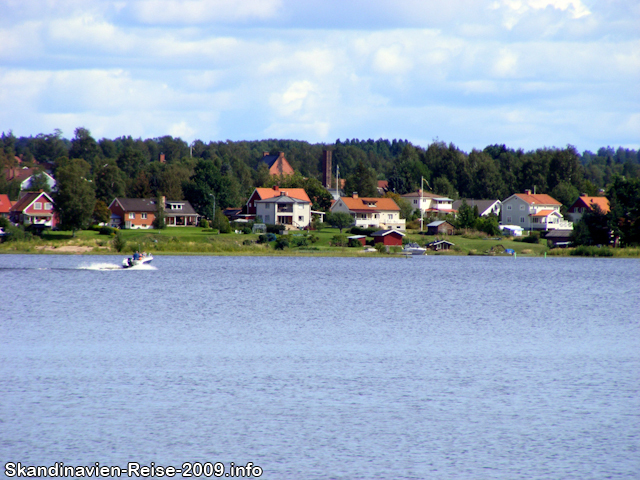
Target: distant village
[{"x": 519, "y": 214}]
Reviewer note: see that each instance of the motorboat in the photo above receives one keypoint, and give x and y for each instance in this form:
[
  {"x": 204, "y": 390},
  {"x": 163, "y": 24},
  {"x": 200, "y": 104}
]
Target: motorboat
[
  {"x": 413, "y": 249},
  {"x": 137, "y": 259}
]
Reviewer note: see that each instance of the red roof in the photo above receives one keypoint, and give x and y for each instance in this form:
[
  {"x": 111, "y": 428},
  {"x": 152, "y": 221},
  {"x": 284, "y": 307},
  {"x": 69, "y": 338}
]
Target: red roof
[
  {"x": 5, "y": 203},
  {"x": 588, "y": 202},
  {"x": 542, "y": 213},
  {"x": 361, "y": 204},
  {"x": 538, "y": 199},
  {"x": 298, "y": 193}
]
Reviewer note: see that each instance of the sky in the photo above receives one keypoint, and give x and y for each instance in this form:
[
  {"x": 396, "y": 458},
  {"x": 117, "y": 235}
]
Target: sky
[{"x": 525, "y": 73}]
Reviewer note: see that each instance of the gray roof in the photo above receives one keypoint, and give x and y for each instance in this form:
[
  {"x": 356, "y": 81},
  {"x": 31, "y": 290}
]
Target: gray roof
[
  {"x": 558, "y": 233},
  {"x": 150, "y": 205},
  {"x": 481, "y": 204},
  {"x": 437, "y": 223}
]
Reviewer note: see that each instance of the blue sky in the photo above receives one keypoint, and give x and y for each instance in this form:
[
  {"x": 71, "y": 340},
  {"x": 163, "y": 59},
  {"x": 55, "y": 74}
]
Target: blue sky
[{"x": 528, "y": 73}]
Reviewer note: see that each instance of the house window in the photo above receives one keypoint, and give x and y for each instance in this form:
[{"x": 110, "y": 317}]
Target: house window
[
  {"x": 521, "y": 207},
  {"x": 144, "y": 215},
  {"x": 48, "y": 206},
  {"x": 508, "y": 219},
  {"x": 300, "y": 218},
  {"x": 521, "y": 219},
  {"x": 391, "y": 216},
  {"x": 415, "y": 202},
  {"x": 267, "y": 218},
  {"x": 508, "y": 207},
  {"x": 132, "y": 215},
  {"x": 37, "y": 206}
]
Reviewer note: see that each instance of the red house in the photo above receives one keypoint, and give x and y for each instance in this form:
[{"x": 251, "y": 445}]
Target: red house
[
  {"x": 34, "y": 208},
  {"x": 5, "y": 205},
  {"x": 388, "y": 237},
  {"x": 277, "y": 164}
]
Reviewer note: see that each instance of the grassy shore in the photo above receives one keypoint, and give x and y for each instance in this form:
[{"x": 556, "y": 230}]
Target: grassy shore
[{"x": 198, "y": 241}]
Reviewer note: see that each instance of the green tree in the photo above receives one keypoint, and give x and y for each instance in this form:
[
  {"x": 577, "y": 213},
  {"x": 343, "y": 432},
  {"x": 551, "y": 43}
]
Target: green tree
[
  {"x": 363, "y": 181},
  {"x": 467, "y": 216},
  {"x": 84, "y": 146},
  {"x": 101, "y": 212},
  {"x": 406, "y": 210},
  {"x": 221, "y": 222},
  {"x": 76, "y": 198},
  {"x": 339, "y": 220},
  {"x": 39, "y": 181},
  {"x": 159, "y": 222},
  {"x": 109, "y": 181}
]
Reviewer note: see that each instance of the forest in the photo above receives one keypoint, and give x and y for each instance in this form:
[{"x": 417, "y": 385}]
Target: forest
[{"x": 230, "y": 170}]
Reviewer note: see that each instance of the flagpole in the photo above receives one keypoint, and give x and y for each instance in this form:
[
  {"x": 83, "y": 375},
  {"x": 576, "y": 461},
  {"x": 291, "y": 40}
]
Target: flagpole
[{"x": 421, "y": 196}]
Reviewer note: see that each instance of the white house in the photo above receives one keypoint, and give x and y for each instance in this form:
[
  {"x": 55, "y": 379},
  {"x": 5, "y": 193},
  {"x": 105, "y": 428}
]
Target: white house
[
  {"x": 533, "y": 212},
  {"x": 51, "y": 182},
  {"x": 485, "y": 207},
  {"x": 369, "y": 212},
  {"x": 429, "y": 202},
  {"x": 284, "y": 210}
]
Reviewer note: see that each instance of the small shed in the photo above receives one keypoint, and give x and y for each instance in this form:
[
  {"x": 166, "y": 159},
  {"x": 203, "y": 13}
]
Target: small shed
[
  {"x": 513, "y": 230},
  {"x": 388, "y": 237},
  {"x": 440, "y": 245},
  {"x": 440, "y": 227},
  {"x": 558, "y": 238},
  {"x": 360, "y": 238}
]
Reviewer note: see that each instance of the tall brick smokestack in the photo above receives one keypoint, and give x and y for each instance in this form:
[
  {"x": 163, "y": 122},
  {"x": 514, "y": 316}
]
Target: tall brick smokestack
[{"x": 326, "y": 168}]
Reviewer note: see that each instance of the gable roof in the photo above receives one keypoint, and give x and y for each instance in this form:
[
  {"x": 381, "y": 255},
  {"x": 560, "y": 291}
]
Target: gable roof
[
  {"x": 588, "y": 202},
  {"x": 424, "y": 195},
  {"x": 5, "y": 203},
  {"x": 298, "y": 193},
  {"x": 383, "y": 233},
  {"x": 150, "y": 205},
  {"x": 361, "y": 204},
  {"x": 482, "y": 205},
  {"x": 27, "y": 199},
  {"x": 282, "y": 199},
  {"x": 544, "y": 213},
  {"x": 538, "y": 199},
  {"x": 136, "y": 204}
]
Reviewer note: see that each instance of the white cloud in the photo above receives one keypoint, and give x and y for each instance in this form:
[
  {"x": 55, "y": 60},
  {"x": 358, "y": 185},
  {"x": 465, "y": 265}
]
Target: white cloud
[{"x": 203, "y": 11}]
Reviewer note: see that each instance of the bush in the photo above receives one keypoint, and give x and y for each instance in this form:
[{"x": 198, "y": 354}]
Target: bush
[
  {"x": 313, "y": 238},
  {"x": 266, "y": 238},
  {"x": 248, "y": 242},
  {"x": 282, "y": 242},
  {"x": 276, "y": 229},
  {"x": 381, "y": 247},
  {"x": 246, "y": 230},
  {"x": 119, "y": 243},
  {"x": 534, "y": 237},
  {"x": 339, "y": 241},
  {"x": 591, "y": 251},
  {"x": 204, "y": 223},
  {"x": 107, "y": 230},
  {"x": 15, "y": 234},
  {"x": 354, "y": 243},
  {"x": 299, "y": 242}
]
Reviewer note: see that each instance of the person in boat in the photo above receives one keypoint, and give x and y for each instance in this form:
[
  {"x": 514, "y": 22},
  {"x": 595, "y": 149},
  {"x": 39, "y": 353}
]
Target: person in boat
[{"x": 136, "y": 256}]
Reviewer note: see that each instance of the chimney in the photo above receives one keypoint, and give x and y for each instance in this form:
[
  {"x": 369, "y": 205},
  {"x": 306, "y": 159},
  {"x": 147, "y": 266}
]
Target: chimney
[
  {"x": 162, "y": 160},
  {"x": 163, "y": 201},
  {"x": 354, "y": 194},
  {"x": 276, "y": 188},
  {"x": 326, "y": 168},
  {"x": 528, "y": 192},
  {"x": 283, "y": 193},
  {"x": 265, "y": 154}
]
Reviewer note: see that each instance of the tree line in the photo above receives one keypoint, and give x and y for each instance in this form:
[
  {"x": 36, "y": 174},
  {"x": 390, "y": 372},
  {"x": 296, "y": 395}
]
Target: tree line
[{"x": 229, "y": 170}]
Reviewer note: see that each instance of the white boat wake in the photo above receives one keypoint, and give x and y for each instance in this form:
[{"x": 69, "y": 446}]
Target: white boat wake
[{"x": 113, "y": 266}]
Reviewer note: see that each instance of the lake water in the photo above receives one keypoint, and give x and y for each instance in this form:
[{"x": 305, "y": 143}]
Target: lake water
[{"x": 317, "y": 368}]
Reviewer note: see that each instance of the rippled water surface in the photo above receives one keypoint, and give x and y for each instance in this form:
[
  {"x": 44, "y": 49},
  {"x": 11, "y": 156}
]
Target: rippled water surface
[{"x": 430, "y": 367}]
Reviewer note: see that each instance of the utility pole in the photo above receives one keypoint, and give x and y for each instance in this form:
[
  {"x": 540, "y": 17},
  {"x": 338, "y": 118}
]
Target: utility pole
[{"x": 213, "y": 217}]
